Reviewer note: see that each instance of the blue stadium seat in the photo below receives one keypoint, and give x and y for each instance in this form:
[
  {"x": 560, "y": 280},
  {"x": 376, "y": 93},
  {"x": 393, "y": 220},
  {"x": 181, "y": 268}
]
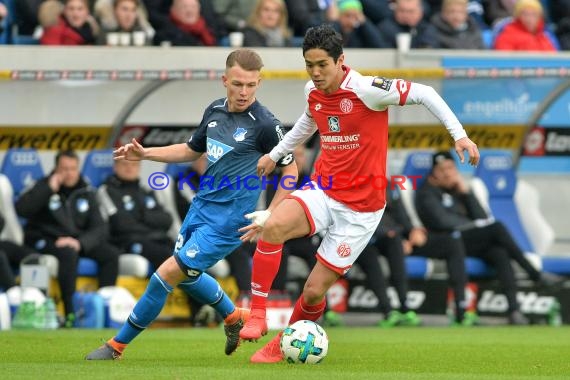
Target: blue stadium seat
[
  {"x": 497, "y": 173},
  {"x": 558, "y": 265},
  {"x": 488, "y": 38},
  {"x": 87, "y": 267},
  {"x": 478, "y": 268},
  {"x": 174, "y": 169},
  {"x": 22, "y": 166},
  {"x": 98, "y": 165},
  {"x": 418, "y": 164},
  {"x": 418, "y": 267}
]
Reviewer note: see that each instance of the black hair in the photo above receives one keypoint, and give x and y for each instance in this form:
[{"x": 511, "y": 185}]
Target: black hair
[
  {"x": 65, "y": 153},
  {"x": 323, "y": 37}
]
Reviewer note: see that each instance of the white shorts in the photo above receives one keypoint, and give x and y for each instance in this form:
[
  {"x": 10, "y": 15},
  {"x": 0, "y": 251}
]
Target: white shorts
[{"x": 346, "y": 231}]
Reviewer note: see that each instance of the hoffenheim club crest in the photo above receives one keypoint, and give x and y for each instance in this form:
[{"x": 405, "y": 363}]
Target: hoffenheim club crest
[{"x": 239, "y": 134}]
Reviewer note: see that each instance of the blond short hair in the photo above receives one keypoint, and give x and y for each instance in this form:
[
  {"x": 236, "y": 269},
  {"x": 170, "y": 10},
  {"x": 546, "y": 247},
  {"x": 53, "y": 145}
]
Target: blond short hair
[{"x": 527, "y": 4}]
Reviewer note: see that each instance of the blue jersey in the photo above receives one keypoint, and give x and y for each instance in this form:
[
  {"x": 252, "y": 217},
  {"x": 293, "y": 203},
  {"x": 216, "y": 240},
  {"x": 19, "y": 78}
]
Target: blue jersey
[{"x": 234, "y": 142}]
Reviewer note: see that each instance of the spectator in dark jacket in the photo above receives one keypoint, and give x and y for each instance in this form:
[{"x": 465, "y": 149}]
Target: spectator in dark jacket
[
  {"x": 455, "y": 28},
  {"x": 304, "y": 14},
  {"x": 356, "y": 30},
  {"x": 446, "y": 204},
  {"x": 187, "y": 26},
  {"x": 63, "y": 219},
  {"x": 408, "y": 18},
  {"x": 137, "y": 222}
]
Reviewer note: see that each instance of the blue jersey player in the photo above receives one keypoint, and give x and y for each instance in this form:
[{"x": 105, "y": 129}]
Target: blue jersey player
[{"x": 234, "y": 133}]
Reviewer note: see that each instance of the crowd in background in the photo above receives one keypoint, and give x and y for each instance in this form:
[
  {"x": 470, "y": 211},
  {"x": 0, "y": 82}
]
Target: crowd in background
[{"x": 513, "y": 25}]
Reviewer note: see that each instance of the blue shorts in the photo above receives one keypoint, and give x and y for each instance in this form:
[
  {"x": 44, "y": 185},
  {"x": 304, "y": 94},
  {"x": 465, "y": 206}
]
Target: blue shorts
[{"x": 199, "y": 246}]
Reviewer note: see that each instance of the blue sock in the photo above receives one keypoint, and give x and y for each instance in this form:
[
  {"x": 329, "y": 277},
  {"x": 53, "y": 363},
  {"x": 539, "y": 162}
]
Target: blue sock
[
  {"x": 206, "y": 289},
  {"x": 146, "y": 310}
]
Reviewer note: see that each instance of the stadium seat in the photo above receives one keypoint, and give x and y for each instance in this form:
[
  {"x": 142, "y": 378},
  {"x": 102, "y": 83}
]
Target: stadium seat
[
  {"x": 496, "y": 171},
  {"x": 417, "y": 164},
  {"x": 87, "y": 267},
  {"x": 23, "y": 167},
  {"x": 516, "y": 204},
  {"x": 419, "y": 267},
  {"x": 487, "y": 36},
  {"x": 98, "y": 165}
]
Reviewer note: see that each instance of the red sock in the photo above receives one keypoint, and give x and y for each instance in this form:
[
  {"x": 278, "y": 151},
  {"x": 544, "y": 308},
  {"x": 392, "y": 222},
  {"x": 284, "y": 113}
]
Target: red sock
[
  {"x": 266, "y": 261},
  {"x": 304, "y": 311}
]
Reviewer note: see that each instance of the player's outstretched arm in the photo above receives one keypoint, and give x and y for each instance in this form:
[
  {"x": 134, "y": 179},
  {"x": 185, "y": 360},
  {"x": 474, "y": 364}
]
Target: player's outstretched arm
[{"x": 134, "y": 151}]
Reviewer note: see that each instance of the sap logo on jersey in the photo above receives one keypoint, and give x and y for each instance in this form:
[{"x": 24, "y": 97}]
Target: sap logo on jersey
[{"x": 216, "y": 149}]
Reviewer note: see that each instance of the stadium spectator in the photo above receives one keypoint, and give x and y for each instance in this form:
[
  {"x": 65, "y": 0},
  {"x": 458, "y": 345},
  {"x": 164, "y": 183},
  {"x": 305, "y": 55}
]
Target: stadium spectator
[
  {"x": 234, "y": 132},
  {"x": 233, "y": 14},
  {"x": 560, "y": 15},
  {"x": 3, "y": 15},
  {"x": 11, "y": 254},
  {"x": 123, "y": 16},
  {"x": 455, "y": 28},
  {"x": 356, "y": 30},
  {"x": 526, "y": 31},
  {"x": 408, "y": 18},
  {"x": 498, "y": 10},
  {"x": 187, "y": 26},
  {"x": 445, "y": 204},
  {"x": 27, "y": 16},
  {"x": 268, "y": 26},
  {"x": 137, "y": 222},
  {"x": 563, "y": 33},
  {"x": 351, "y": 113},
  {"x": 63, "y": 219},
  {"x": 71, "y": 24},
  {"x": 159, "y": 15},
  {"x": 376, "y": 11},
  {"x": 475, "y": 10},
  {"x": 304, "y": 14}
]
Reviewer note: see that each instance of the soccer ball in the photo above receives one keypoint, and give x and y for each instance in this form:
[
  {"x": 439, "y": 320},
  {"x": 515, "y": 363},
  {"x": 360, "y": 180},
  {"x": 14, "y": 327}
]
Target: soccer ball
[{"x": 304, "y": 342}]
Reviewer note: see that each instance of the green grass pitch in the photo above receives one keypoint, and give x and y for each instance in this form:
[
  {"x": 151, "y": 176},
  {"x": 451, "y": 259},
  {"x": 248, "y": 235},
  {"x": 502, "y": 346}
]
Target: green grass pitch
[{"x": 354, "y": 353}]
